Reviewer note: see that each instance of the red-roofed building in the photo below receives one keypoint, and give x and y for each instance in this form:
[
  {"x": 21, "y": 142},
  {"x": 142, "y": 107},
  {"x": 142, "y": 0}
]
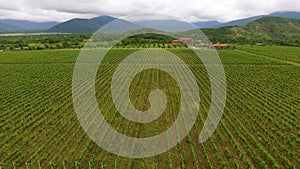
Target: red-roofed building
[
  {"x": 176, "y": 42},
  {"x": 186, "y": 41}
]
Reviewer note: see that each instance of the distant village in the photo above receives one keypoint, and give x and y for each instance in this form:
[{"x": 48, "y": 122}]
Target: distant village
[{"x": 192, "y": 42}]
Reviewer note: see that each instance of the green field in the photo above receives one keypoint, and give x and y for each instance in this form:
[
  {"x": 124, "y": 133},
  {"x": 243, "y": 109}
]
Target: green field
[
  {"x": 283, "y": 52},
  {"x": 259, "y": 128}
]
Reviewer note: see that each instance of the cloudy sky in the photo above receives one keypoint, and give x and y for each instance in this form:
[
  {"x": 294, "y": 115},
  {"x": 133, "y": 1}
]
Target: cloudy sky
[{"x": 190, "y": 10}]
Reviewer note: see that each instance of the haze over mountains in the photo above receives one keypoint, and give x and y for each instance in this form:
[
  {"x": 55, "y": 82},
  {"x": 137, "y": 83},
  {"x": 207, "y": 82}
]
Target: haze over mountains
[
  {"x": 91, "y": 25},
  {"x": 8, "y": 25},
  {"x": 243, "y": 22}
]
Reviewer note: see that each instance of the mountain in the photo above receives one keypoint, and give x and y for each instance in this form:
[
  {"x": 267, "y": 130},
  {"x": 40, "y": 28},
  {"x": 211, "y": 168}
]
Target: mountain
[
  {"x": 120, "y": 25},
  {"x": 207, "y": 24},
  {"x": 92, "y": 25},
  {"x": 273, "y": 27},
  {"x": 288, "y": 14},
  {"x": 11, "y": 26},
  {"x": 173, "y": 25},
  {"x": 75, "y": 26},
  {"x": 5, "y": 27},
  {"x": 264, "y": 29},
  {"x": 243, "y": 22},
  {"x": 82, "y": 25},
  {"x": 166, "y": 25},
  {"x": 240, "y": 22}
]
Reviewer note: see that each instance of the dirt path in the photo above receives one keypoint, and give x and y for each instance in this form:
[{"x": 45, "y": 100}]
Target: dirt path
[{"x": 271, "y": 58}]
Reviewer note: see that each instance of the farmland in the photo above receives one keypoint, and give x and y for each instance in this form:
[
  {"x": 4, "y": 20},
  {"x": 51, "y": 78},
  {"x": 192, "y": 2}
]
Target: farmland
[{"x": 259, "y": 128}]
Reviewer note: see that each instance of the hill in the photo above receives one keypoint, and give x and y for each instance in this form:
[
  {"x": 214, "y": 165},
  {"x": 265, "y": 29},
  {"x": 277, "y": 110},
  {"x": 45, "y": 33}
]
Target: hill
[{"x": 282, "y": 31}]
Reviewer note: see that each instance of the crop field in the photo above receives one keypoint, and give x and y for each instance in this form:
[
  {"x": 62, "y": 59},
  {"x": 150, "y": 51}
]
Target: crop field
[
  {"x": 283, "y": 52},
  {"x": 260, "y": 127}
]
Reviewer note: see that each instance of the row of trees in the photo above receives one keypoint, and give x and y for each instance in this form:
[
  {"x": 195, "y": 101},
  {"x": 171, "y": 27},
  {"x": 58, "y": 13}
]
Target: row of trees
[
  {"x": 243, "y": 40},
  {"x": 73, "y": 41},
  {"x": 150, "y": 40},
  {"x": 40, "y": 42}
]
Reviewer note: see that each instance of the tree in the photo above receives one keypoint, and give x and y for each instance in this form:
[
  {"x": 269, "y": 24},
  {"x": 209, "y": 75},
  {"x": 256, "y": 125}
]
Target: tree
[{"x": 66, "y": 45}]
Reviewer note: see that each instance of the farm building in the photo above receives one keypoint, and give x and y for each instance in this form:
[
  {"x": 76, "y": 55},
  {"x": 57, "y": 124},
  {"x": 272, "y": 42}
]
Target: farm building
[
  {"x": 220, "y": 46},
  {"x": 176, "y": 42},
  {"x": 186, "y": 41}
]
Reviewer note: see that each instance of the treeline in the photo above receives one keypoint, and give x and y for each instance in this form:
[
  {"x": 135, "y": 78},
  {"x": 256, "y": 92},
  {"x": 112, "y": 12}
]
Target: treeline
[
  {"x": 40, "y": 42},
  {"x": 77, "y": 41},
  {"x": 148, "y": 40},
  {"x": 254, "y": 41}
]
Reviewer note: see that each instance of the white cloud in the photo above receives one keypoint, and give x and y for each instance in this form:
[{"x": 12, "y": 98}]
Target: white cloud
[{"x": 192, "y": 10}]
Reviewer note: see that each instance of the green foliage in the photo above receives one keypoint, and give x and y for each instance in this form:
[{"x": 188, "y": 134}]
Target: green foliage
[
  {"x": 40, "y": 42},
  {"x": 267, "y": 30},
  {"x": 149, "y": 40}
]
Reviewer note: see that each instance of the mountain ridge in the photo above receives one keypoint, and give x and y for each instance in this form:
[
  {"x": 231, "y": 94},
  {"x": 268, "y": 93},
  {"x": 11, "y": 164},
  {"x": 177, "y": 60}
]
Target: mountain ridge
[
  {"x": 92, "y": 25},
  {"x": 79, "y": 25},
  {"x": 11, "y": 26},
  {"x": 268, "y": 29},
  {"x": 173, "y": 25}
]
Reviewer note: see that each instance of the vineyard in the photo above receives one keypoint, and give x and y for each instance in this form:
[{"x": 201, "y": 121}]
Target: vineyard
[
  {"x": 259, "y": 128},
  {"x": 284, "y": 52}
]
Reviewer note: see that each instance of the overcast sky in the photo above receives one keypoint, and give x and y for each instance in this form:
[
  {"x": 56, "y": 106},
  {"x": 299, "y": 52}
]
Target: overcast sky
[{"x": 190, "y": 10}]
